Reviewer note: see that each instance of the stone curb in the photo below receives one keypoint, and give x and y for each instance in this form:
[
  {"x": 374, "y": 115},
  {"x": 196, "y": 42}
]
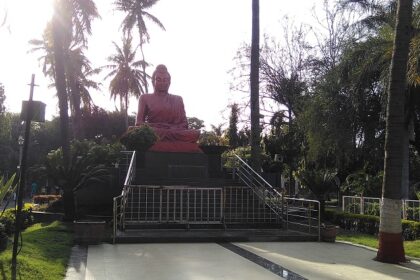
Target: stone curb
[{"x": 372, "y": 249}]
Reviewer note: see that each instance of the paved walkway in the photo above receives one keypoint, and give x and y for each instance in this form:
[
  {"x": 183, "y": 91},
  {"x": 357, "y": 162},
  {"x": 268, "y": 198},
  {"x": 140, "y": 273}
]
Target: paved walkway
[{"x": 259, "y": 260}]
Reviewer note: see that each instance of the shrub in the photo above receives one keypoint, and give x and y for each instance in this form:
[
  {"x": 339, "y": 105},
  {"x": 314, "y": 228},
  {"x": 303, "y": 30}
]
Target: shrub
[
  {"x": 139, "y": 138},
  {"x": 370, "y": 224},
  {"x": 8, "y": 219}
]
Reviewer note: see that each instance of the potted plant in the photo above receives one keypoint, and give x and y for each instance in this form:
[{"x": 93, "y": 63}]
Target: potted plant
[
  {"x": 319, "y": 182},
  {"x": 210, "y": 143},
  {"x": 4, "y": 239},
  {"x": 139, "y": 138}
]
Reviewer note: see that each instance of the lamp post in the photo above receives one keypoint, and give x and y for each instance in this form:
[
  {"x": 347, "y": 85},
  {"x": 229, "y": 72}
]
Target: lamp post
[{"x": 31, "y": 110}]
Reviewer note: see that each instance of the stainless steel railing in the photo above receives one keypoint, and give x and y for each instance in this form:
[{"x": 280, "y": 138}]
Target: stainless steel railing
[
  {"x": 121, "y": 200},
  {"x": 243, "y": 206},
  {"x": 302, "y": 215},
  {"x": 173, "y": 204},
  {"x": 270, "y": 196},
  {"x": 410, "y": 209}
]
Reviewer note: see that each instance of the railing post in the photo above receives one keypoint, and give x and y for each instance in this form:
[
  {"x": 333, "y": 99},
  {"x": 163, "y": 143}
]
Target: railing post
[
  {"x": 362, "y": 206},
  {"x": 319, "y": 221},
  {"x": 114, "y": 229},
  {"x": 160, "y": 205},
  {"x": 404, "y": 209},
  {"x": 309, "y": 217},
  {"x": 343, "y": 203},
  {"x": 287, "y": 215}
]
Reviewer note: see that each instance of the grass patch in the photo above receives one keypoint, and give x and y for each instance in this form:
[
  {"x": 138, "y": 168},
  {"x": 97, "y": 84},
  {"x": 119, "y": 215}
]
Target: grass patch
[
  {"x": 412, "y": 248},
  {"x": 44, "y": 255}
]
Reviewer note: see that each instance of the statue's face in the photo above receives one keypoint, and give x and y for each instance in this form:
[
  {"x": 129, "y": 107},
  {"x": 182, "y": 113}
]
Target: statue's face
[{"x": 162, "y": 82}]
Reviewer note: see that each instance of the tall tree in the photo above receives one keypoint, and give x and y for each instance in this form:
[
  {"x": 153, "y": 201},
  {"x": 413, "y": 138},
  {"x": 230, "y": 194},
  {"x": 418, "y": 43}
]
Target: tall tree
[
  {"x": 2, "y": 98},
  {"x": 60, "y": 85},
  {"x": 127, "y": 77},
  {"x": 136, "y": 13},
  {"x": 390, "y": 230},
  {"x": 233, "y": 126},
  {"x": 71, "y": 21},
  {"x": 254, "y": 86}
]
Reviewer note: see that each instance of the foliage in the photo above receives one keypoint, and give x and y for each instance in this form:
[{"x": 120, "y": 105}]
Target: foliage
[
  {"x": 8, "y": 218},
  {"x": 363, "y": 184},
  {"x": 139, "y": 138},
  {"x": 195, "y": 123},
  {"x": 45, "y": 253},
  {"x": 229, "y": 160},
  {"x": 2, "y": 98},
  {"x": 93, "y": 121},
  {"x": 228, "y": 157},
  {"x": 2, "y": 231},
  {"x": 232, "y": 132},
  {"x": 211, "y": 138},
  {"x": 370, "y": 224},
  {"x": 7, "y": 187},
  {"x": 125, "y": 73},
  {"x": 320, "y": 182},
  {"x": 89, "y": 164}
]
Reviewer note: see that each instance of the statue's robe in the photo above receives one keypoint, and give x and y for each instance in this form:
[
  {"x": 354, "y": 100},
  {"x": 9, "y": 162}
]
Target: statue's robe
[{"x": 165, "y": 113}]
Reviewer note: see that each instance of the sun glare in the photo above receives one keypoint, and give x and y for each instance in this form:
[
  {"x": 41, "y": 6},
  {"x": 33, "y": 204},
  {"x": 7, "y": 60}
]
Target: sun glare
[{"x": 28, "y": 13}]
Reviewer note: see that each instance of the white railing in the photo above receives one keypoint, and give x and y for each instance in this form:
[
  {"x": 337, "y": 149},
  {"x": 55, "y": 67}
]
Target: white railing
[
  {"x": 121, "y": 200},
  {"x": 302, "y": 214},
  {"x": 173, "y": 204},
  {"x": 261, "y": 187},
  {"x": 371, "y": 206}
]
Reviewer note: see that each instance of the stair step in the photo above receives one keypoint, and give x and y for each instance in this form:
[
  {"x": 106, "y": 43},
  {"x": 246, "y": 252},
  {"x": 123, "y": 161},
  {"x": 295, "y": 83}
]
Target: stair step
[{"x": 200, "y": 235}]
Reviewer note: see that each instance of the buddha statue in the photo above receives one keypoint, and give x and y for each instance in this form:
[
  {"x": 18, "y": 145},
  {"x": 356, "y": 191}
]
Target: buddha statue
[{"x": 165, "y": 113}]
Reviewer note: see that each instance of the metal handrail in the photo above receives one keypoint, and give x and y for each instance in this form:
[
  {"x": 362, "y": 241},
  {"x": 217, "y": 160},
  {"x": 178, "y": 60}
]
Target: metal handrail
[
  {"x": 276, "y": 201},
  {"x": 308, "y": 217},
  {"x": 120, "y": 201},
  {"x": 271, "y": 197}
]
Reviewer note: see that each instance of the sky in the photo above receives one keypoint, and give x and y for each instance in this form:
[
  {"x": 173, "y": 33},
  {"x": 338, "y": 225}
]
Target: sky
[{"x": 198, "y": 47}]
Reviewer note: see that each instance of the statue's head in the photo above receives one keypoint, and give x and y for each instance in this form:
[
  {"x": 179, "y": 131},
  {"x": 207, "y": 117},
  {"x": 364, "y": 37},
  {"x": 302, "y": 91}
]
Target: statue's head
[{"x": 161, "y": 79}]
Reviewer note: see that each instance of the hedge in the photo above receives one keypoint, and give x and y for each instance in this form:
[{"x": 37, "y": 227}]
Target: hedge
[{"x": 369, "y": 224}]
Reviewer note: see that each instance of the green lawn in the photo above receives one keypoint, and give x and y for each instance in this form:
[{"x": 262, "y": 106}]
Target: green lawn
[
  {"x": 45, "y": 253},
  {"x": 412, "y": 248}
]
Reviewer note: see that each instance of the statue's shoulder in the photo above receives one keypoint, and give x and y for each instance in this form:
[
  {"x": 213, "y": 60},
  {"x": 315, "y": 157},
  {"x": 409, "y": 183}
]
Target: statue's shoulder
[
  {"x": 177, "y": 97},
  {"x": 146, "y": 96}
]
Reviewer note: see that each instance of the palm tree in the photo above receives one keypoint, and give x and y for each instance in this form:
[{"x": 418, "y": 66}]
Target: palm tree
[
  {"x": 254, "y": 79},
  {"x": 390, "y": 231},
  {"x": 135, "y": 16},
  {"x": 127, "y": 77},
  {"x": 73, "y": 22},
  {"x": 77, "y": 72}
]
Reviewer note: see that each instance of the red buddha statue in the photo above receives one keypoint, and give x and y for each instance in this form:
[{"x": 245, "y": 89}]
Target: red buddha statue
[{"x": 165, "y": 113}]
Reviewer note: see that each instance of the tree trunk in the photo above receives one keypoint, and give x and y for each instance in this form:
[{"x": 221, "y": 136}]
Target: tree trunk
[
  {"x": 75, "y": 108},
  {"x": 126, "y": 111},
  {"x": 391, "y": 248},
  {"x": 60, "y": 84},
  {"x": 254, "y": 80}
]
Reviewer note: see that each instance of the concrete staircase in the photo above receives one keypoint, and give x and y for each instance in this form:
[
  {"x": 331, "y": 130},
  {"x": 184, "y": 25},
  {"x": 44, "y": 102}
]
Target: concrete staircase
[{"x": 180, "y": 197}]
